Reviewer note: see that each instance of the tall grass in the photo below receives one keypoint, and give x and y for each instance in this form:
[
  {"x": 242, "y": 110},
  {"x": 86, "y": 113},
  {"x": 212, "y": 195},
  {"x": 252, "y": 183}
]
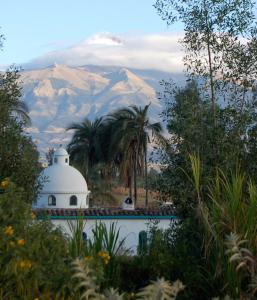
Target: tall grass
[
  {"x": 107, "y": 239},
  {"x": 77, "y": 244},
  {"x": 228, "y": 206}
]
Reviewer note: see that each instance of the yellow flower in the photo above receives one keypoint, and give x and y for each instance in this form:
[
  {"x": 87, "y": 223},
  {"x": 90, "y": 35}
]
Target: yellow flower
[
  {"x": 22, "y": 264},
  {"x": 4, "y": 183},
  {"x": 105, "y": 256},
  {"x": 33, "y": 215},
  {"x": 9, "y": 230},
  {"x": 25, "y": 264},
  {"x": 21, "y": 242}
]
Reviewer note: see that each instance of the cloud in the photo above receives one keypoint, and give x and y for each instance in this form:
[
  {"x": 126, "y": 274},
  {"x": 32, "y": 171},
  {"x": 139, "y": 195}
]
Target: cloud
[
  {"x": 151, "y": 51},
  {"x": 53, "y": 129},
  {"x": 32, "y": 130}
]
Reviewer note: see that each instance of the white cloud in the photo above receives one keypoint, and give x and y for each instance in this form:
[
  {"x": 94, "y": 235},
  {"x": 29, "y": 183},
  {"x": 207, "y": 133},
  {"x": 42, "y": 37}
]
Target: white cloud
[
  {"x": 53, "y": 129},
  {"x": 32, "y": 130},
  {"x": 152, "y": 51}
]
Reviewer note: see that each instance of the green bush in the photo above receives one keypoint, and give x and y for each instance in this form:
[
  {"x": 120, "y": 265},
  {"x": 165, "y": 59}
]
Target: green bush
[{"x": 33, "y": 254}]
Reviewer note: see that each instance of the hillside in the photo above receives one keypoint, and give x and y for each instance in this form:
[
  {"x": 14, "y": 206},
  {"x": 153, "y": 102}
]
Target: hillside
[{"x": 59, "y": 94}]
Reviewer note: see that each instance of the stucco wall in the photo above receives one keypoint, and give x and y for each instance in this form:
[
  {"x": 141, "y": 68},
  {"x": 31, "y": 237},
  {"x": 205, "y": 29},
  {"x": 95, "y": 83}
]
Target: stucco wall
[{"x": 129, "y": 228}]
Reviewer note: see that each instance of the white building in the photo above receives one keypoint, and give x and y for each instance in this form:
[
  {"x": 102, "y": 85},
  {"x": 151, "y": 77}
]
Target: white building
[
  {"x": 64, "y": 198},
  {"x": 63, "y": 185}
]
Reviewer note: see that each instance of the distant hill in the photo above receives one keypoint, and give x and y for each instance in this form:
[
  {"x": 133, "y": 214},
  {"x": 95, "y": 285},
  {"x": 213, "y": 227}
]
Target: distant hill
[{"x": 59, "y": 94}]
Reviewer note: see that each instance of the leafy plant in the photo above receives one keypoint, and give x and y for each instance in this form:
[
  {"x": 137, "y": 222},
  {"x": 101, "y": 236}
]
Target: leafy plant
[
  {"x": 77, "y": 243},
  {"x": 158, "y": 290},
  {"x": 107, "y": 239},
  {"x": 244, "y": 260},
  {"x": 161, "y": 290},
  {"x": 230, "y": 206}
]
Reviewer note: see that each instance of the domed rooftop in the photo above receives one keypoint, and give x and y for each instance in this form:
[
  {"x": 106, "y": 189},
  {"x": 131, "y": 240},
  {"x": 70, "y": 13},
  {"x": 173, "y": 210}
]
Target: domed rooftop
[
  {"x": 62, "y": 178},
  {"x": 60, "y": 152},
  {"x": 63, "y": 186}
]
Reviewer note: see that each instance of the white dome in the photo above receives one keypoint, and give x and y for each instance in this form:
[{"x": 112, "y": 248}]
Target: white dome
[
  {"x": 61, "y": 152},
  {"x": 63, "y": 179},
  {"x": 63, "y": 185}
]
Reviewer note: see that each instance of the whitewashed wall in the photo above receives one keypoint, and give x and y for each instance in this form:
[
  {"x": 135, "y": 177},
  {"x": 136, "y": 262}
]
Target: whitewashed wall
[{"x": 129, "y": 228}]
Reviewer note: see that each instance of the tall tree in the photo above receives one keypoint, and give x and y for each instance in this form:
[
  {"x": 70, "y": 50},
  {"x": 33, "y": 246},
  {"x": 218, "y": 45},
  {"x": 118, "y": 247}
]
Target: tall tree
[
  {"x": 18, "y": 153},
  {"x": 189, "y": 121},
  {"x": 219, "y": 41},
  {"x": 133, "y": 131},
  {"x": 85, "y": 147},
  {"x": 11, "y": 104}
]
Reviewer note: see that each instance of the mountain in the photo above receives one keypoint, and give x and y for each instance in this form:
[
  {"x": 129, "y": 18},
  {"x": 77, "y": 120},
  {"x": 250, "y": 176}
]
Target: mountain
[{"x": 60, "y": 94}]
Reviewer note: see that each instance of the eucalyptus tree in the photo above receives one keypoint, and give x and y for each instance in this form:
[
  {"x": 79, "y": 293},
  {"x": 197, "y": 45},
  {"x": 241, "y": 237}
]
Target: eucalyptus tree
[
  {"x": 220, "y": 41},
  {"x": 132, "y": 131},
  {"x": 85, "y": 147}
]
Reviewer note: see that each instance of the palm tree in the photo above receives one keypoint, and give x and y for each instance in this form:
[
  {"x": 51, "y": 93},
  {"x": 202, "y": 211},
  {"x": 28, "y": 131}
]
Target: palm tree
[
  {"x": 131, "y": 135},
  {"x": 85, "y": 147}
]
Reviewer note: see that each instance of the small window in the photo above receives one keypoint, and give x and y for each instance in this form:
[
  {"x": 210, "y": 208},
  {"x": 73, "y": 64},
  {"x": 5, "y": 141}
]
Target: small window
[
  {"x": 73, "y": 200},
  {"x": 66, "y": 160},
  {"x": 51, "y": 200},
  {"x": 128, "y": 200},
  {"x": 55, "y": 160}
]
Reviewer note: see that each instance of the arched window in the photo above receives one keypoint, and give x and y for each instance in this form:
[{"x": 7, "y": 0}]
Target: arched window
[
  {"x": 128, "y": 200},
  {"x": 73, "y": 200},
  {"x": 51, "y": 200}
]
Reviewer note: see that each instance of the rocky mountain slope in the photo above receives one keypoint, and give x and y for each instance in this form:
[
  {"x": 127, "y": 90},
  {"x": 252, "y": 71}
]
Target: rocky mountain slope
[{"x": 59, "y": 95}]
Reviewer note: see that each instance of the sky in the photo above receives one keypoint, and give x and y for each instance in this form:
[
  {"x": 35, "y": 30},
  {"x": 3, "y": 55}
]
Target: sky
[{"x": 78, "y": 32}]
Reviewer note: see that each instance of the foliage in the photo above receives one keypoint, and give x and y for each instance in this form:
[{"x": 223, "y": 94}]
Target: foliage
[
  {"x": 85, "y": 147},
  {"x": 86, "y": 281},
  {"x": 18, "y": 154},
  {"x": 33, "y": 260},
  {"x": 215, "y": 114},
  {"x": 131, "y": 131},
  {"x": 213, "y": 44},
  {"x": 229, "y": 207},
  {"x": 244, "y": 261},
  {"x": 116, "y": 142},
  {"x": 159, "y": 290},
  {"x": 106, "y": 239},
  {"x": 189, "y": 122},
  {"x": 77, "y": 246}
]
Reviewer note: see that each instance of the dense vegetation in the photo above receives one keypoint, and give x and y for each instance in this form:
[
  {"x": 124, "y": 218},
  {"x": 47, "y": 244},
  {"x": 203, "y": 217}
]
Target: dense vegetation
[
  {"x": 116, "y": 143},
  {"x": 209, "y": 171},
  {"x": 18, "y": 154}
]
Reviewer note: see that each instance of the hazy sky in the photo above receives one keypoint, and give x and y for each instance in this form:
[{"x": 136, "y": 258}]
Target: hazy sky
[{"x": 43, "y": 32}]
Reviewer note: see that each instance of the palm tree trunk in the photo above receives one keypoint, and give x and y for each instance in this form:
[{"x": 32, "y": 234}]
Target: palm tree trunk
[
  {"x": 130, "y": 183},
  {"x": 146, "y": 180},
  {"x": 135, "y": 179}
]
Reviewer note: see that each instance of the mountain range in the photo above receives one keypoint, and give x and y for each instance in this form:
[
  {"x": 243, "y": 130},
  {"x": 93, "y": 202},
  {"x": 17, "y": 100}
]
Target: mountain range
[{"x": 59, "y": 95}]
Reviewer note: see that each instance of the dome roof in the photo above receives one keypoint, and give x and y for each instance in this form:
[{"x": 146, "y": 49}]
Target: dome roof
[
  {"x": 63, "y": 179},
  {"x": 61, "y": 152}
]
